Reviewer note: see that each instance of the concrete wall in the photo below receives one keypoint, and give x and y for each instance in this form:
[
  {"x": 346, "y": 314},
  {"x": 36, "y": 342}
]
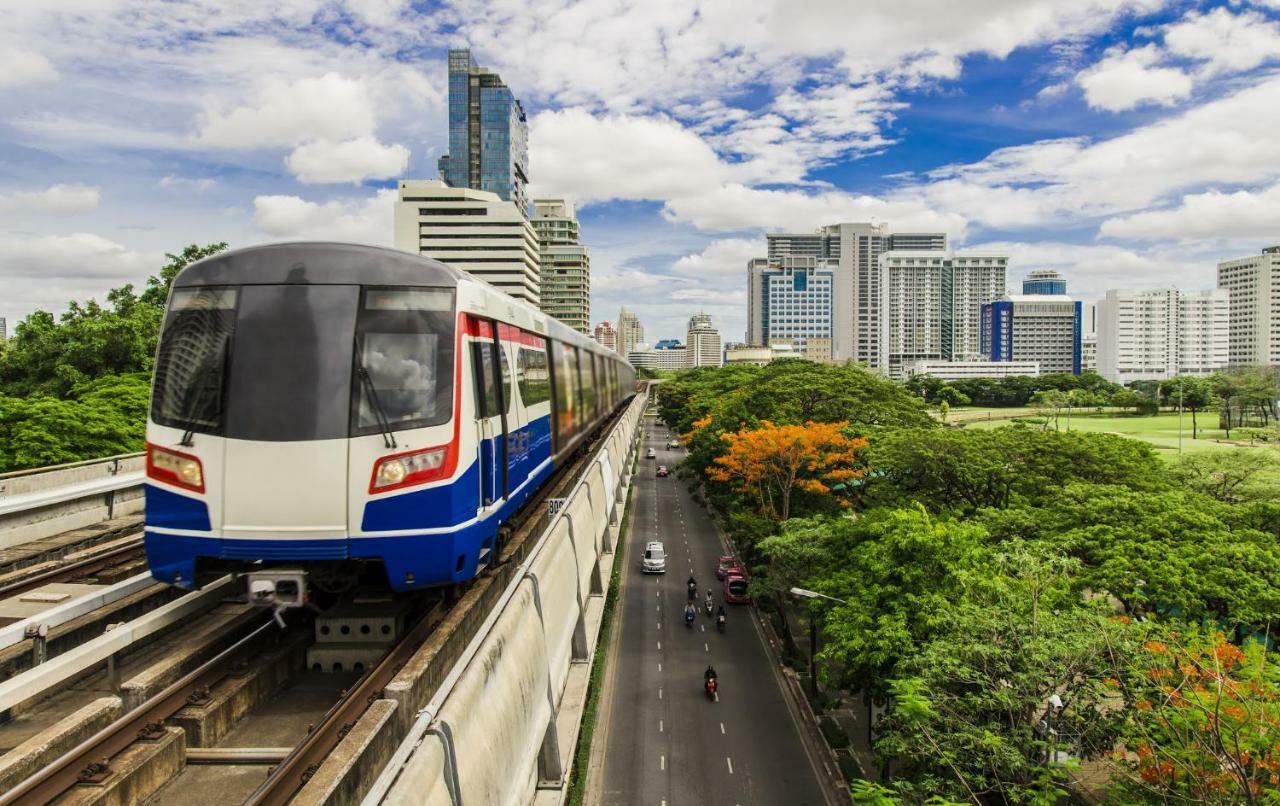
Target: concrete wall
[
  {"x": 35, "y": 504},
  {"x": 502, "y": 726}
]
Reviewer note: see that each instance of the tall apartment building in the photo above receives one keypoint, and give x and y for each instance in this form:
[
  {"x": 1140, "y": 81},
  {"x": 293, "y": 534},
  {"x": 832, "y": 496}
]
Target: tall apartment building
[
  {"x": 473, "y": 231},
  {"x": 630, "y": 332},
  {"x": 4, "y": 329},
  {"x": 565, "y": 265},
  {"x": 1039, "y": 328},
  {"x": 488, "y": 133},
  {"x": 931, "y": 305},
  {"x": 852, "y": 251},
  {"x": 1157, "y": 334},
  {"x": 606, "y": 336},
  {"x": 702, "y": 341},
  {"x": 791, "y": 300},
  {"x": 1254, "y": 285}
]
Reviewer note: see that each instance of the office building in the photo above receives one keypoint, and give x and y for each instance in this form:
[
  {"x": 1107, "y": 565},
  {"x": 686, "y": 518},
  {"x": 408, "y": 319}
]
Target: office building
[
  {"x": 931, "y": 305},
  {"x": 565, "y": 266},
  {"x": 488, "y": 134},
  {"x": 606, "y": 336},
  {"x": 852, "y": 253},
  {"x": 4, "y": 329},
  {"x": 666, "y": 355},
  {"x": 965, "y": 370},
  {"x": 630, "y": 332},
  {"x": 790, "y": 299},
  {"x": 1157, "y": 334},
  {"x": 472, "y": 230},
  {"x": 761, "y": 355},
  {"x": 1254, "y": 286},
  {"x": 1044, "y": 281},
  {"x": 1039, "y": 328},
  {"x": 703, "y": 342}
]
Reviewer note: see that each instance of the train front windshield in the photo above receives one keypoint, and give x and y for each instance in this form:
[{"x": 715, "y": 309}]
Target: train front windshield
[{"x": 305, "y": 362}]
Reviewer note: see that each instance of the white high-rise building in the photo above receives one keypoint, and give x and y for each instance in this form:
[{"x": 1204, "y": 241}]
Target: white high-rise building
[
  {"x": 630, "y": 332},
  {"x": 565, "y": 275},
  {"x": 4, "y": 329},
  {"x": 931, "y": 305},
  {"x": 669, "y": 356},
  {"x": 702, "y": 341},
  {"x": 852, "y": 252},
  {"x": 1157, "y": 334},
  {"x": 1254, "y": 285},
  {"x": 471, "y": 230}
]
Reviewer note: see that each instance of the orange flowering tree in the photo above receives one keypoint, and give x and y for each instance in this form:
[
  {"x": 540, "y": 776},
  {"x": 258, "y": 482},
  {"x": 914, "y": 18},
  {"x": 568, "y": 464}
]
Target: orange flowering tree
[
  {"x": 1204, "y": 723},
  {"x": 770, "y": 462}
]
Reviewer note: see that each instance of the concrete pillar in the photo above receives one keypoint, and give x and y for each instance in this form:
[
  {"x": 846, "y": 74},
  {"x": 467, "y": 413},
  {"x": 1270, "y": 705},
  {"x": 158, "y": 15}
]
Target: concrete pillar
[{"x": 549, "y": 767}]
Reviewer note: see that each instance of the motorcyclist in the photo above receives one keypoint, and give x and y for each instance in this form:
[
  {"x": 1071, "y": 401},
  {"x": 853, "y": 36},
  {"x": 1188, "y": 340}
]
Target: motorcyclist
[
  {"x": 709, "y": 674},
  {"x": 693, "y": 588},
  {"x": 710, "y": 602},
  {"x": 689, "y": 613},
  {"x": 720, "y": 617}
]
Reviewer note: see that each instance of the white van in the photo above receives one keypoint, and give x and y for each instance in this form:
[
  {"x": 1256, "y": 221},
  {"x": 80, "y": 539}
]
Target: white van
[{"x": 655, "y": 559}]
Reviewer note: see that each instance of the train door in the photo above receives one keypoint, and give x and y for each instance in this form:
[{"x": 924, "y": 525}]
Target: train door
[{"x": 491, "y": 414}]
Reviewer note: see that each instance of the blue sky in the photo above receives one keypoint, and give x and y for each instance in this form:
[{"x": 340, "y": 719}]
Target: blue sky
[{"x": 1128, "y": 143}]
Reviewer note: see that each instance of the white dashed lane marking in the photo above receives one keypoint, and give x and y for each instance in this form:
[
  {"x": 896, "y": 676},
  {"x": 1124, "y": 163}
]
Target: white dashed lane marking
[
  {"x": 721, "y": 728},
  {"x": 729, "y": 761}
]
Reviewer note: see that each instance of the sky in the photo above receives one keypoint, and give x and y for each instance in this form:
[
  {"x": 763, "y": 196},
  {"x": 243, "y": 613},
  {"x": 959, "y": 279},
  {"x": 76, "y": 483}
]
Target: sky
[{"x": 1126, "y": 143}]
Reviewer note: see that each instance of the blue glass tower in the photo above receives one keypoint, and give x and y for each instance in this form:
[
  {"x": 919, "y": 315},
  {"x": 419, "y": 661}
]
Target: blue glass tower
[
  {"x": 488, "y": 133},
  {"x": 1044, "y": 281}
]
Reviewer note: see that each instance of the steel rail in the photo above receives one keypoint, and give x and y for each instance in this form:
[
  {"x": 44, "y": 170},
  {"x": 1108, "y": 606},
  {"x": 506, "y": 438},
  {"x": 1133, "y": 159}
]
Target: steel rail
[
  {"x": 64, "y": 773},
  {"x": 81, "y": 567}
]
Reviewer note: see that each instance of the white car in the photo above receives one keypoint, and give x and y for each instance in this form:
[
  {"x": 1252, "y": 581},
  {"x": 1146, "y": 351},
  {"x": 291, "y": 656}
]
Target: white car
[
  {"x": 651, "y": 454},
  {"x": 655, "y": 559}
]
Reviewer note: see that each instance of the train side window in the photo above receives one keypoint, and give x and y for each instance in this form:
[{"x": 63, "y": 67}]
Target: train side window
[
  {"x": 505, "y": 364},
  {"x": 486, "y": 393},
  {"x": 532, "y": 376},
  {"x": 582, "y": 377},
  {"x": 567, "y": 394}
]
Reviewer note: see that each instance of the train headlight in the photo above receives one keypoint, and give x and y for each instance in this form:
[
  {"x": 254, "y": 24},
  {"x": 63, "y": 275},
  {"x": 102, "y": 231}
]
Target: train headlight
[
  {"x": 172, "y": 467},
  {"x": 407, "y": 469}
]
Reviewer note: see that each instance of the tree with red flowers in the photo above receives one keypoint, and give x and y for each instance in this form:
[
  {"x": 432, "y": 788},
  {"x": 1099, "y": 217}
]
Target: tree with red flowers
[
  {"x": 1204, "y": 723},
  {"x": 770, "y": 462}
]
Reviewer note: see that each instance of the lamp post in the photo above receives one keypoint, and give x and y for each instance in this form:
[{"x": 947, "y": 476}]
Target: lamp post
[{"x": 813, "y": 636}]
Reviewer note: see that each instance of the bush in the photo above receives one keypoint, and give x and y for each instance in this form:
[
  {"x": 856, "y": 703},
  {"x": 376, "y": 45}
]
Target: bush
[{"x": 1030, "y": 420}]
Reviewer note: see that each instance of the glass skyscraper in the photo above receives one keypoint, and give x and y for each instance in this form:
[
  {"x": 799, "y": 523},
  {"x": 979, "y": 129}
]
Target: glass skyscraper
[{"x": 488, "y": 133}]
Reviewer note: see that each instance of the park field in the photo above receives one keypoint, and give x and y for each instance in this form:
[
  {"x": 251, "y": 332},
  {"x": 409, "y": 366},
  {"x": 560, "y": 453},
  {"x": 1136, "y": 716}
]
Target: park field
[{"x": 1160, "y": 430}]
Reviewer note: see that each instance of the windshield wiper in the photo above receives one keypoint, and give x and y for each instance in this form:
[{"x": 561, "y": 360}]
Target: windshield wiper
[
  {"x": 379, "y": 414},
  {"x": 197, "y": 401}
]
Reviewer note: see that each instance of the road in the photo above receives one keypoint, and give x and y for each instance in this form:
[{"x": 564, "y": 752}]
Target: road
[{"x": 665, "y": 743}]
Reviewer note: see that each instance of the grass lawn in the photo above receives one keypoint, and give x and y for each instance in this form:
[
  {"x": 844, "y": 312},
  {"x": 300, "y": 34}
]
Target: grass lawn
[{"x": 1160, "y": 430}]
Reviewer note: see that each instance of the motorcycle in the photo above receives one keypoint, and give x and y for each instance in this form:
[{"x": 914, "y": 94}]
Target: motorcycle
[
  {"x": 708, "y": 605},
  {"x": 720, "y": 622},
  {"x": 688, "y": 618},
  {"x": 711, "y": 685},
  {"x": 693, "y": 591}
]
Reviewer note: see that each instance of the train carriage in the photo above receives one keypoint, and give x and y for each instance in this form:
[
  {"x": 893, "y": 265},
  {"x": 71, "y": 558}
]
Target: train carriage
[{"x": 330, "y": 408}]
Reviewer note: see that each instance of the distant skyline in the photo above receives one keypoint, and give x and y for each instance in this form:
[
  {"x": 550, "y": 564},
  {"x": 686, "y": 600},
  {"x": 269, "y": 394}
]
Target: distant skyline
[{"x": 1126, "y": 143}]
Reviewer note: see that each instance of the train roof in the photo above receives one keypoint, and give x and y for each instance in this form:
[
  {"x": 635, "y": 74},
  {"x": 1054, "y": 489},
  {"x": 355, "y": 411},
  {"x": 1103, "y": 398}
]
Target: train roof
[{"x": 318, "y": 263}]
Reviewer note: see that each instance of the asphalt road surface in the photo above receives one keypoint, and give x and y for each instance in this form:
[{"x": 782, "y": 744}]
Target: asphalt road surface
[{"x": 666, "y": 744}]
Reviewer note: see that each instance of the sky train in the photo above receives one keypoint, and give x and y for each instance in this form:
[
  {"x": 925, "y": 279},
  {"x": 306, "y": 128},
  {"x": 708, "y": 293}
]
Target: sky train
[{"x": 329, "y": 407}]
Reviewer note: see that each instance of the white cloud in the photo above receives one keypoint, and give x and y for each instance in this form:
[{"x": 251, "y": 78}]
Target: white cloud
[
  {"x": 367, "y": 220},
  {"x": 591, "y": 158},
  {"x": 348, "y": 161},
  {"x": 1243, "y": 214},
  {"x": 18, "y": 67},
  {"x": 725, "y": 257},
  {"x": 1228, "y": 43},
  {"x": 737, "y": 207},
  {"x": 1126, "y": 79},
  {"x": 59, "y": 199},
  {"x": 286, "y": 113},
  {"x": 1228, "y": 141},
  {"x": 1091, "y": 269},
  {"x": 78, "y": 256},
  {"x": 195, "y": 185}
]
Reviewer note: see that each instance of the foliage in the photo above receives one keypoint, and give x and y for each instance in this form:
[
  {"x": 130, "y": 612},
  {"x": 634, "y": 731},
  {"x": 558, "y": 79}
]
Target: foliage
[
  {"x": 1205, "y": 722},
  {"x": 90, "y": 340},
  {"x": 1011, "y": 391},
  {"x": 102, "y": 418},
  {"x": 1232, "y": 476},
  {"x": 1189, "y": 392},
  {"x": 770, "y": 462},
  {"x": 968, "y": 470},
  {"x": 974, "y": 719}
]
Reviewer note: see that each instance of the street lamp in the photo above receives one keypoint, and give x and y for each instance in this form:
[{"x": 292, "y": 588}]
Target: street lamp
[{"x": 813, "y": 636}]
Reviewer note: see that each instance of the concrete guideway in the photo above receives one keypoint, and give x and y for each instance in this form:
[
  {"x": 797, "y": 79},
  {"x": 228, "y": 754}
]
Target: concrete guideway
[{"x": 661, "y": 740}]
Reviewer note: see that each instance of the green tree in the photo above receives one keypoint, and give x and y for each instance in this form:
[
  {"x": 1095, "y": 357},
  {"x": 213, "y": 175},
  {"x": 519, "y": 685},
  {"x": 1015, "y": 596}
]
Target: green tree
[
  {"x": 976, "y": 717},
  {"x": 1188, "y": 392},
  {"x": 1232, "y": 476},
  {"x": 1048, "y": 404}
]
